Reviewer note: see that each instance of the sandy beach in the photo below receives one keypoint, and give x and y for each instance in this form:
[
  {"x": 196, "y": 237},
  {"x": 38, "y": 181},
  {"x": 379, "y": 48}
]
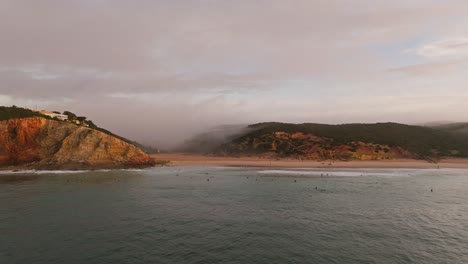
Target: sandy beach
[{"x": 181, "y": 159}]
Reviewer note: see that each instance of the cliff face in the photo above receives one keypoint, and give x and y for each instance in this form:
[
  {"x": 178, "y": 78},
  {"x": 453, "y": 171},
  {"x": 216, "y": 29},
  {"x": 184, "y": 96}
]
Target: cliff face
[
  {"x": 49, "y": 143},
  {"x": 308, "y": 146}
]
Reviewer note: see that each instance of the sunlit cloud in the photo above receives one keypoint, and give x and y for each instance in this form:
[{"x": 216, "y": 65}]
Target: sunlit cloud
[{"x": 449, "y": 47}]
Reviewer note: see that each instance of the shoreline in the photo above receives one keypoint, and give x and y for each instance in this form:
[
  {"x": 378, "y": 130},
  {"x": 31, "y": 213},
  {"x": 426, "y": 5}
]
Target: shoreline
[
  {"x": 182, "y": 159},
  {"x": 71, "y": 167}
]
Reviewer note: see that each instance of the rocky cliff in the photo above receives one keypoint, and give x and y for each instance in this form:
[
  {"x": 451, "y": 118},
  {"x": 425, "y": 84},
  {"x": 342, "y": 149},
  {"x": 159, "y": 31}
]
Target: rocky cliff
[
  {"x": 346, "y": 142},
  {"x": 308, "y": 146},
  {"x": 42, "y": 143}
]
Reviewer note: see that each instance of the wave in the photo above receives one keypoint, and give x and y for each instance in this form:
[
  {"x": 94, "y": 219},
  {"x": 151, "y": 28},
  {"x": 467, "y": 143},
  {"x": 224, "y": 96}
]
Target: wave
[
  {"x": 9, "y": 172},
  {"x": 363, "y": 172}
]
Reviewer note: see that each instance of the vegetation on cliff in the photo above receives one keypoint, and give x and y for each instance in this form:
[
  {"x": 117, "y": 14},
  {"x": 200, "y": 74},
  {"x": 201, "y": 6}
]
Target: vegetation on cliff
[{"x": 14, "y": 112}]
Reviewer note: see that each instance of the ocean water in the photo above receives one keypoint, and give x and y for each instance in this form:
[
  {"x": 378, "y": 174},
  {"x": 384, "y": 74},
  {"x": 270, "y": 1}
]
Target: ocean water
[{"x": 234, "y": 215}]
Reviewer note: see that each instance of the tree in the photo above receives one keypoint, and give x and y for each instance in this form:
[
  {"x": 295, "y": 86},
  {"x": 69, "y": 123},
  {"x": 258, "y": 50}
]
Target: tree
[
  {"x": 71, "y": 116},
  {"x": 91, "y": 124},
  {"x": 81, "y": 118}
]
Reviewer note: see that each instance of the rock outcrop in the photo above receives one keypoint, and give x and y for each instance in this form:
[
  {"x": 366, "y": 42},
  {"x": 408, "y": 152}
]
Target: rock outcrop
[
  {"x": 42, "y": 143},
  {"x": 308, "y": 146}
]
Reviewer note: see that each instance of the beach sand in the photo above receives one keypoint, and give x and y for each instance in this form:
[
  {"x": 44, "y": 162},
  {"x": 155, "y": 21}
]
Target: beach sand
[{"x": 180, "y": 159}]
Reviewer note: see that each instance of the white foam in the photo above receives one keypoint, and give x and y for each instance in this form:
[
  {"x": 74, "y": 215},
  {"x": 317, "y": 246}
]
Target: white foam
[
  {"x": 363, "y": 172},
  {"x": 61, "y": 171},
  {"x": 40, "y": 171}
]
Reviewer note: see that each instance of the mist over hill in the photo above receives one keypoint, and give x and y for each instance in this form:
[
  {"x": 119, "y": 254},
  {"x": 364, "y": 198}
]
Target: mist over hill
[
  {"x": 211, "y": 140},
  {"x": 456, "y": 128}
]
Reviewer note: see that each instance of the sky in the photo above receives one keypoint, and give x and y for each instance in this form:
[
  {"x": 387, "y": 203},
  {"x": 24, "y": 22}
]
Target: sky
[{"x": 159, "y": 71}]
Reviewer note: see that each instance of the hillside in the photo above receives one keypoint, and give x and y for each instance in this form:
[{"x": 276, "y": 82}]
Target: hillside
[
  {"x": 35, "y": 141},
  {"x": 14, "y": 112},
  {"x": 348, "y": 141}
]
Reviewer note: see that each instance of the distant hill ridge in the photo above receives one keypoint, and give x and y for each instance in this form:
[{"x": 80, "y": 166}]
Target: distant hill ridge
[{"x": 348, "y": 141}]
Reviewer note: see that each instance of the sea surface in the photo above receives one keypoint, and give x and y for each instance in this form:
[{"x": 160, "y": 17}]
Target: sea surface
[{"x": 234, "y": 215}]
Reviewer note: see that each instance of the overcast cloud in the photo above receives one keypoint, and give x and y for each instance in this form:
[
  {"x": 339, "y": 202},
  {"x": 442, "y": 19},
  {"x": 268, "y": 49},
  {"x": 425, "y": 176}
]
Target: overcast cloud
[{"x": 160, "y": 71}]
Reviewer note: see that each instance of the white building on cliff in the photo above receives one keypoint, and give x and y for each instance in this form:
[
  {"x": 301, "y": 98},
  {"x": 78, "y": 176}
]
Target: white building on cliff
[{"x": 54, "y": 115}]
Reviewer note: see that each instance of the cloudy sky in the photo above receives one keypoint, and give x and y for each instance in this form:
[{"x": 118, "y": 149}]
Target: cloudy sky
[{"x": 158, "y": 71}]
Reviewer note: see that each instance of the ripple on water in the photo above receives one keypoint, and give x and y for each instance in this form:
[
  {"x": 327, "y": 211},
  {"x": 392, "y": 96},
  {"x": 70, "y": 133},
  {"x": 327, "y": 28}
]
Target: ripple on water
[{"x": 239, "y": 216}]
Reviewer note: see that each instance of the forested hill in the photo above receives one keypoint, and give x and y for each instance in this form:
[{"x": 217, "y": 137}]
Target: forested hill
[{"x": 348, "y": 141}]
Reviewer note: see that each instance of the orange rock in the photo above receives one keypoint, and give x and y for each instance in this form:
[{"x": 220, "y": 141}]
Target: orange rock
[{"x": 50, "y": 142}]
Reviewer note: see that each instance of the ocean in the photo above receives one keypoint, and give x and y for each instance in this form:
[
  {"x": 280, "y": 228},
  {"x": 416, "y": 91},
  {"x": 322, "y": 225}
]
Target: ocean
[{"x": 234, "y": 215}]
